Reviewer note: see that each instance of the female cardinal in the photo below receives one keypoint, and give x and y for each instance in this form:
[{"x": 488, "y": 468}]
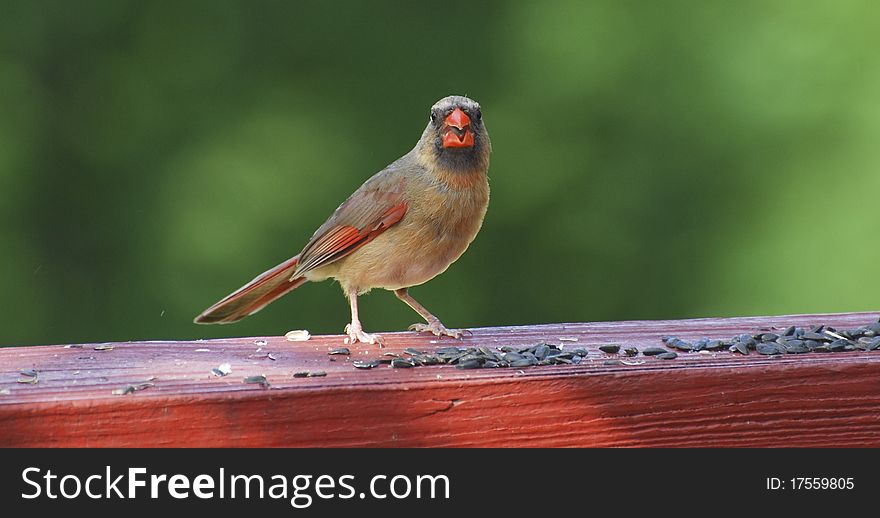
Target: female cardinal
[{"x": 401, "y": 228}]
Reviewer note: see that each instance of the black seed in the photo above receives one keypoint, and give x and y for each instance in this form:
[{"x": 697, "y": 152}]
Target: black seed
[
  {"x": 576, "y": 359},
  {"x": 458, "y": 357},
  {"x": 769, "y": 337},
  {"x": 490, "y": 364},
  {"x": 793, "y": 348},
  {"x": 667, "y": 355},
  {"x": 301, "y": 374},
  {"x": 402, "y": 363},
  {"x": 433, "y": 360},
  {"x": 260, "y": 379},
  {"x": 812, "y": 335},
  {"x": 541, "y": 351},
  {"x": 523, "y": 362},
  {"x": 630, "y": 351},
  {"x": 448, "y": 350},
  {"x": 822, "y": 349},
  {"x": 789, "y": 331},
  {"x": 740, "y": 347},
  {"x": 511, "y": 357},
  {"x": 838, "y": 348},
  {"x": 342, "y": 351},
  {"x": 365, "y": 364},
  {"x": 681, "y": 345},
  {"x": 468, "y": 364},
  {"x": 317, "y": 374},
  {"x": 580, "y": 351},
  {"x": 714, "y": 345},
  {"x": 653, "y": 351},
  {"x": 613, "y": 362},
  {"x": 610, "y": 348},
  {"x": 769, "y": 349},
  {"x": 412, "y": 351}
]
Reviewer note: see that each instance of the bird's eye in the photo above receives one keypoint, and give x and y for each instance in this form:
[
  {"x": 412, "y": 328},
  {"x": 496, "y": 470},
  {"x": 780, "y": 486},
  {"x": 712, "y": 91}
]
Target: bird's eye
[
  {"x": 433, "y": 116},
  {"x": 479, "y": 114}
]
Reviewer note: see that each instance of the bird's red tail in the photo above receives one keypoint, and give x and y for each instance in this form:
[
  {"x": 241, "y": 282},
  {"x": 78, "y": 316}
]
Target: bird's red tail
[{"x": 254, "y": 295}]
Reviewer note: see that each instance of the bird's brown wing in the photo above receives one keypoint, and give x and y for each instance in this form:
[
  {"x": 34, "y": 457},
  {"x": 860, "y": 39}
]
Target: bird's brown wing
[{"x": 371, "y": 210}]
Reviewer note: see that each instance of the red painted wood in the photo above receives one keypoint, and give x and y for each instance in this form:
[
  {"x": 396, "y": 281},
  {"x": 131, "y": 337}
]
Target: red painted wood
[{"x": 717, "y": 399}]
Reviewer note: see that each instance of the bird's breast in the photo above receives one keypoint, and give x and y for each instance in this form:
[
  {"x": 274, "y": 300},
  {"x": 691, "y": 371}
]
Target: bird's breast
[{"x": 437, "y": 228}]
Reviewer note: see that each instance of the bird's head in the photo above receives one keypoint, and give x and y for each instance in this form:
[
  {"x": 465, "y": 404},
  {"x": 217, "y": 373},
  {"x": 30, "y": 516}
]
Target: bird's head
[{"x": 456, "y": 137}]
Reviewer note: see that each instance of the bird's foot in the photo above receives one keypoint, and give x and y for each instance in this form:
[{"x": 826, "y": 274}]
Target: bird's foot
[
  {"x": 438, "y": 329},
  {"x": 356, "y": 334}
]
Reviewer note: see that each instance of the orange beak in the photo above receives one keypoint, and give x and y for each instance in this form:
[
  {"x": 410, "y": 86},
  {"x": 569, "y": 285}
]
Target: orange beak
[{"x": 457, "y": 130}]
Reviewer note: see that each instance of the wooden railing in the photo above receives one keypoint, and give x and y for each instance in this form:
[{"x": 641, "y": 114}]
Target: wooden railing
[{"x": 168, "y": 393}]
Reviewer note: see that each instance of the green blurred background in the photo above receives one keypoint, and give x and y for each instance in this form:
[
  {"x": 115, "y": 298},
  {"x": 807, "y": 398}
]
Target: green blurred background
[{"x": 651, "y": 159}]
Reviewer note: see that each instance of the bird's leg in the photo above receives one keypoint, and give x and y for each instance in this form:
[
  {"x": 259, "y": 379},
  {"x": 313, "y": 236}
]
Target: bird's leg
[
  {"x": 434, "y": 325},
  {"x": 354, "y": 330}
]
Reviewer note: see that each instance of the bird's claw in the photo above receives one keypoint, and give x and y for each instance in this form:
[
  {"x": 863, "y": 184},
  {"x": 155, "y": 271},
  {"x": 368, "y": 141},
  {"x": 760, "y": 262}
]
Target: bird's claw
[
  {"x": 356, "y": 334},
  {"x": 438, "y": 329}
]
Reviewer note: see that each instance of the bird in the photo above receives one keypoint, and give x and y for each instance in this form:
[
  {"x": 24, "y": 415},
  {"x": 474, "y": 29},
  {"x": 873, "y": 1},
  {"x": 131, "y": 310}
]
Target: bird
[{"x": 404, "y": 226}]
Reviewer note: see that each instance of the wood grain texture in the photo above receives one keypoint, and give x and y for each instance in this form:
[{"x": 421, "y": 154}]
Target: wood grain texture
[{"x": 698, "y": 399}]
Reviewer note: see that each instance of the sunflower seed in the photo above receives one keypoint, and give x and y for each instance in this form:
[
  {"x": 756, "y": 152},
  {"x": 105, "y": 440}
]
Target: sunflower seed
[
  {"x": 222, "y": 370},
  {"x": 343, "y": 351},
  {"x": 309, "y": 374},
  {"x": 297, "y": 335},
  {"x": 610, "y": 348},
  {"x": 541, "y": 351},
  {"x": 364, "y": 364},
  {"x": 258, "y": 379},
  {"x": 769, "y": 349},
  {"x": 667, "y": 355},
  {"x": 469, "y": 364},
  {"x": 681, "y": 345},
  {"x": 131, "y": 388},
  {"x": 653, "y": 351}
]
